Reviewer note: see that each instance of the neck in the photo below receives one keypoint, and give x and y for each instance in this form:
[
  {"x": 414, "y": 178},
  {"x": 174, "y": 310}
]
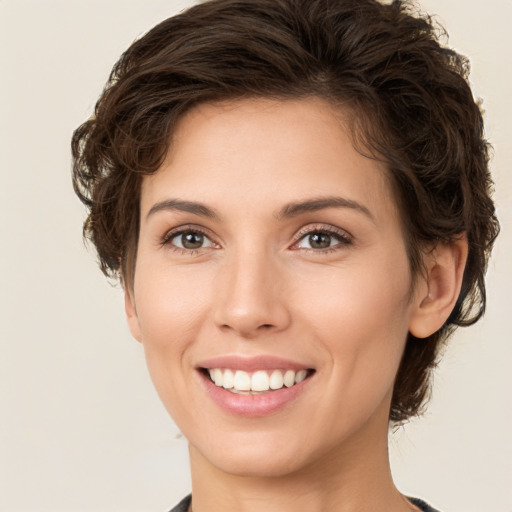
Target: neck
[{"x": 351, "y": 479}]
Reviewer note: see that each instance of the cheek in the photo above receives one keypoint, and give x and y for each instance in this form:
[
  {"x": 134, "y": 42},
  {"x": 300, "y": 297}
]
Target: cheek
[
  {"x": 170, "y": 304},
  {"x": 358, "y": 297},
  {"x": 360, "y": 317}
]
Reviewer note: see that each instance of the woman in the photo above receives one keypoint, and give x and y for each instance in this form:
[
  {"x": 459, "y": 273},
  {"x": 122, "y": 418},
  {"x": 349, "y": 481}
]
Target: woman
[{"x": 296, "y": 198}]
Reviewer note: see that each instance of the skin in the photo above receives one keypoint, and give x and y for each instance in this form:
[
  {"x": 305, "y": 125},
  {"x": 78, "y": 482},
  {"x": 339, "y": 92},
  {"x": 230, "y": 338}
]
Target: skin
[{"x": 257, "y": 285}]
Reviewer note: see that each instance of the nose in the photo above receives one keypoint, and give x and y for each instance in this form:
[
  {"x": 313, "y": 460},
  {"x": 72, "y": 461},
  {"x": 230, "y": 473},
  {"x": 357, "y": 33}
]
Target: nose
[{"x": 251, "y": 296}]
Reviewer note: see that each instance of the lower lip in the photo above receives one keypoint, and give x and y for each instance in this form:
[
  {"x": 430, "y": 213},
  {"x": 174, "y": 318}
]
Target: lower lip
[{"x": 251, "y": 406}]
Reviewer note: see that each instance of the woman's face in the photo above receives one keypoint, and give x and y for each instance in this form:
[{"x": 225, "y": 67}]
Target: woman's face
[{"x": 271, "y": 250}]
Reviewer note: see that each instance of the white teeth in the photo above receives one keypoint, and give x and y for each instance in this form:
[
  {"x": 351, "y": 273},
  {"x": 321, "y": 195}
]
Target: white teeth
[
  {"x": 229, "y": 379},
  {"x": 300, "y": 376},
  {"x": 218, "y": 377},
  {"x": 289, "y": 378},
  {"x": 276, "y": 380},
  {"x": 260, "y": 381},
  {"x": 242, "y": 381}
]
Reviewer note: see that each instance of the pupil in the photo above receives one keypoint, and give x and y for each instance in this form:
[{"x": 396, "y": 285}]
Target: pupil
[
  {"x": 320, "y": 240},
  {"x": 192, "y": 240}
]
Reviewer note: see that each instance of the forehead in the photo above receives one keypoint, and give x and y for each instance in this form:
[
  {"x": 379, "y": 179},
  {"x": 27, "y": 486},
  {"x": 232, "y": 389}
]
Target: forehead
[{"x": 259, "y": 153}]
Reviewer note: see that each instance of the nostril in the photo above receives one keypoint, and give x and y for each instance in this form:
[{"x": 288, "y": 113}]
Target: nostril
[{"x": 266, "y": 327}]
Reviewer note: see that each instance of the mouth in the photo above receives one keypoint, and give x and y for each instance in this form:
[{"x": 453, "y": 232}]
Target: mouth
[
  {"x": 256, "y": 382},
  {"x": 254, "y": 386}
]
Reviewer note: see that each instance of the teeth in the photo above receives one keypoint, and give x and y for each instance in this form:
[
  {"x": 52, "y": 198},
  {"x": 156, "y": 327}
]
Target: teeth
[
  {"x": 260, "y": 381},
  {"x": 276, "y": 380},
  {"x": 289, "y": 378},
  {"x": 218, "y": 377},
  {"x": 300, "y": 376},
  {"x": 242, "y": 381},
  {"x": 229, "y": 379}
]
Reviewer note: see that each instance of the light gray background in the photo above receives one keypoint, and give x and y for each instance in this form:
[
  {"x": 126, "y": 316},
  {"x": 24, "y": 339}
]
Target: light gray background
[{"x": 81, "y": 428}]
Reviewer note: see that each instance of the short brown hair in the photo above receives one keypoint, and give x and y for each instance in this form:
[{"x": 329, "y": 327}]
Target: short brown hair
[{"x": 409, "y": 96}]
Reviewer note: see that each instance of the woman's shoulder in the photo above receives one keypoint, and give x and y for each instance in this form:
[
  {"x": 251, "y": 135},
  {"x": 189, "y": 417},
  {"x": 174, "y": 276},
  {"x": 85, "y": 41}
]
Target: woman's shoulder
[{"x": 184, "y": 504}]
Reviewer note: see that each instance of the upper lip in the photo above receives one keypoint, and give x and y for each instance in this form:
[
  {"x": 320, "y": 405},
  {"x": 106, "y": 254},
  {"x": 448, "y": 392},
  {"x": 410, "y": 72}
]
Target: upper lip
[{"x": 252, "y": 363}]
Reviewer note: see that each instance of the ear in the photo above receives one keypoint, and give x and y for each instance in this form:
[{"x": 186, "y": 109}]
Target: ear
[
  {"x": 437, "y": 292},
  {"x": 131, "y": 314}
]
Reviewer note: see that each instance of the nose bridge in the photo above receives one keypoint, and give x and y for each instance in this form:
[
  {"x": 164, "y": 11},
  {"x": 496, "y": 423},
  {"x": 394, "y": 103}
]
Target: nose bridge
[{"x": 250, "y": 295}]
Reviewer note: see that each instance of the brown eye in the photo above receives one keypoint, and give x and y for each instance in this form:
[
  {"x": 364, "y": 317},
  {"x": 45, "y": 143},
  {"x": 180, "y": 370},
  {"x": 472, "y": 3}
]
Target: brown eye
[
  {"x": 190, "y": 240},
  {"x": 319, "y": 240},
  {"x": 322, "y": 239}
]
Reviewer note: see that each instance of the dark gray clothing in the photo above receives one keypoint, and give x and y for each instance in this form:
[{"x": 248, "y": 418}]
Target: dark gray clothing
[
  {"x": 185, "y": 503},
  {"x": 422, "y": 505}
]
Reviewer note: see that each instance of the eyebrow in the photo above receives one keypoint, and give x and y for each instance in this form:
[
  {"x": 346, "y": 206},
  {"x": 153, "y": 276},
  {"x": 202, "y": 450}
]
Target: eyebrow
[
  {"x": 312, "y": 205},
  {"x": 288, "y": 211},
  {"x": 184, "y": 206}
]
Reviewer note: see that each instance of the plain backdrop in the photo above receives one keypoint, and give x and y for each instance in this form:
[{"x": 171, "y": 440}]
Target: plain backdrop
[{"x": 81, "y": 428}]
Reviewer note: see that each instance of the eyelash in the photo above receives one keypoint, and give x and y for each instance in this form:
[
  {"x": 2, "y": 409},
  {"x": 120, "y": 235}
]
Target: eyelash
[
  {"x": 343, "y": 238},
  {"x": 169, "y": 236}
]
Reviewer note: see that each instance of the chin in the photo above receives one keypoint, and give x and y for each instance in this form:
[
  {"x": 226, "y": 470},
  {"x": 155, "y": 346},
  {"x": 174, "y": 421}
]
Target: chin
[
  {"x": 256, "y": 458},
  {"x": 258, "y": 466}
]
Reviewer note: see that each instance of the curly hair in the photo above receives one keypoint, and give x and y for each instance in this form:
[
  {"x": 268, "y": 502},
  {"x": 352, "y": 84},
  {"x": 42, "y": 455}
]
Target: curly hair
[{"x": 409, "y": 100}]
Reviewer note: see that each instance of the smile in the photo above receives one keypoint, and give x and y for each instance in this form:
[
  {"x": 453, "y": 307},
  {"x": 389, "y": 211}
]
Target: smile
[
  {"x": 254, "y": 386},
  {"x": 260, "y": 381}
]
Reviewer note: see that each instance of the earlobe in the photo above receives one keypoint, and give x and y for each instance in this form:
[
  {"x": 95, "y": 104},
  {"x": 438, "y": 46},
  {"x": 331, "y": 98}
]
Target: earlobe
[
  {"x": 439, "y": 291},
  {"x": 131, "y": 314}
]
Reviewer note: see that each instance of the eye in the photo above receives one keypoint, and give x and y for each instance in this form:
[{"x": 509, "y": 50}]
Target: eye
[
  {"x": 188, "y": 240},
  {"x": 322, "y": 240}
]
